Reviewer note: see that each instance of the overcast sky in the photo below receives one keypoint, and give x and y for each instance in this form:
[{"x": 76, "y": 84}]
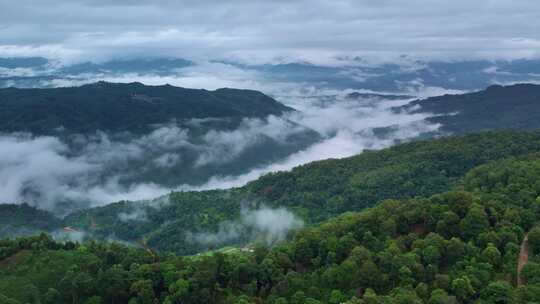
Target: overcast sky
[{"x": 271, "y": 31}]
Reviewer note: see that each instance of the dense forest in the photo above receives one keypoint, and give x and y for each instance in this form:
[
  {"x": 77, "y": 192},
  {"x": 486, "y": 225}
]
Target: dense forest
[
  {"x": 139, "y": 134},
  {"x": 497, "y": 107},
  {"x": 23, "y": 220},
  {"x": 135, "y": 107},
  {"x": 457, "y": 246},
  {"x": 314, "y": 192},
  {"x": 173, "y": 137},
  {"x": 447, "y": 220},
  {"x": 116, "y": 107}
]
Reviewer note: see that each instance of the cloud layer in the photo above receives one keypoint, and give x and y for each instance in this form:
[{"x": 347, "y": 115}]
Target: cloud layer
[
  {"x": 347, "y": 126},
  {"x": 317, "y": 31},
  {"x": 62, "y": 174},
  {"x": 101, "y": 168}
]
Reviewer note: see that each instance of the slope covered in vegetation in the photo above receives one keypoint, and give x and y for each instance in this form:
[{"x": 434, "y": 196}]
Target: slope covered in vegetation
[
  {"x": 117, "y": 107},
  {"x": 460, "y": 246},
  {"x": 314, "y": 192},
  {"x": 498, "y": 107},
  {"x": 24, "y": 219}
]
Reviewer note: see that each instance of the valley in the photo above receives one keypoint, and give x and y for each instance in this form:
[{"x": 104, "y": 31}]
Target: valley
[{"x": 269, "y": 152}]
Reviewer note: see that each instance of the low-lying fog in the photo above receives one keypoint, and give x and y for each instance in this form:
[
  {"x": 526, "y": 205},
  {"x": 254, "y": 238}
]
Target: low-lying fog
[{"x": 48, "y": 172}]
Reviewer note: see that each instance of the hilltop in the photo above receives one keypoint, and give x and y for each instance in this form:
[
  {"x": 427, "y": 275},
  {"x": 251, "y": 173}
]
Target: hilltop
[{"x": 117, "y": 107}]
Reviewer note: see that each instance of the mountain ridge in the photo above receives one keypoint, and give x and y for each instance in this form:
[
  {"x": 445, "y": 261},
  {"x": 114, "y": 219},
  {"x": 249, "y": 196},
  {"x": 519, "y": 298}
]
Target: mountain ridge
[
  {"x": 497, "y": 107},
  {"x": 124, "y": 107}
]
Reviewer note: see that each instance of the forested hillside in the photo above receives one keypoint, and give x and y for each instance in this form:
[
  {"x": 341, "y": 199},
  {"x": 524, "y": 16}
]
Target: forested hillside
[
  {"x": 23, "y": 219},
  {"x": 113, "y": 138},
  {"x": 496, "y": 108},
  {"x": 117, "y": 107},
  {"x": 314, "y": 192},
  {"x": 458, "y": 246}
]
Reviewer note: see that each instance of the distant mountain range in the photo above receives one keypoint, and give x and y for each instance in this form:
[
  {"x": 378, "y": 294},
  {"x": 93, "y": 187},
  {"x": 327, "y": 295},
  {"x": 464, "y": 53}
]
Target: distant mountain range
[
  {"x": 357, "y": 95},
  {"x": 320, "y": 190},
  {"x": 409, "y": 76},
  {"x": 315, "y": 192},
  {"x": 131, "y": 134},
  {"x": 132, "y": 107},
  {"x": 515, "y": 107}
]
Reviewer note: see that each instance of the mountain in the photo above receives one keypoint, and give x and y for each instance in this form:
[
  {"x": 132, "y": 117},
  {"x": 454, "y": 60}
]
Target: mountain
[
  {"x": 185, "y": 154},
  {"x": 313, "y": 192},
  {"x": 459, "y": 245},
  {"x": 406, "y": 75},
  {"x": 115, "y": 107},
  {"x": 133, "y": 135},
  {"x": 160, "y": 66},
  {"x": 430, "y": 221},
  {"x": 515, "y": 107},
  {"x": 358, "y": 95}
]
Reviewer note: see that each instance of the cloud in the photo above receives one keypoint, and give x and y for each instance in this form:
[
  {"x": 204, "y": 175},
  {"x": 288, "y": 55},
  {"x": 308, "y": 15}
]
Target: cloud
[
  {"x": 224, "y": 146},
  {"x": 100, "y": 168},
  {"x": 67, "y": 234},
  {"x": 95, "y": 169},
  {"x": 316, "y": 31},
  {"x": 267, "y": 224},
  {"x": 273, "y": 224},
  {"x": 347, "y": 127},
  {"x": 62, "y": 174},
  {"x": 167, "y": 160},
  {"x": 36, "y": 169},
  {"x": 203, "y": 75},
  {"x": 418, "y": 88},
  {"x": 136, "y": 214}
]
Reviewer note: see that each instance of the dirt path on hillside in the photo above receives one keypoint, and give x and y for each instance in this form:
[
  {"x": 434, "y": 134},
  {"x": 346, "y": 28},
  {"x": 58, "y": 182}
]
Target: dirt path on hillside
[{"x": 522, "y": 259}]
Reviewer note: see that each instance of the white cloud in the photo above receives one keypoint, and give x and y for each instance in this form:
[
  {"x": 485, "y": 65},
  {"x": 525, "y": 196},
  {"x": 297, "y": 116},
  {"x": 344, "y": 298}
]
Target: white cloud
[
  {"x": 224, "y": 146},
  {"x": 37, "y": 164},
  {"x": 348, "y": 129},
  {"x": 270, "y": 225},
  {"x": 46, "y": 172},
  {"x": 317, "y": 31}
]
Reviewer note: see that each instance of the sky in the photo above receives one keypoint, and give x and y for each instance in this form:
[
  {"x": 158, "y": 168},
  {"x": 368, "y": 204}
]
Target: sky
[{"x": 251, "y": 31}]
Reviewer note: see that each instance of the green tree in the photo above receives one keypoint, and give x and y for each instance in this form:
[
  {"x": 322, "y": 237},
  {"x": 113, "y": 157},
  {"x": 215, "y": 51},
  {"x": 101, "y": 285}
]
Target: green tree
[
  {"x": 462, "y": 288},
  {"x": 336, "y": 297},
  {"x": 455, "y": 250},
  {"x": 6, "y": 300},
  {"x": 531, "y": 273},
  {"x": 52, "y": 296},
  {"x": 370, "y": 297},
  {"x": 299, "y": 297},
  {"x": 431, "y": 255},
  {"x": 94, "y": 300},
  {"x": 492, "y": 255},
  {"x": 534, "y": 240},
  {"x": 439, "y": 296},
  {"x": 499, "y": 292},
  {"x": 369, "y": 274},
  {"x": 115, "y": 283},
  {"x": 281, "y": 300},
  {"x": 143, "y": 292},
  {"x": 475, "y": 222}
]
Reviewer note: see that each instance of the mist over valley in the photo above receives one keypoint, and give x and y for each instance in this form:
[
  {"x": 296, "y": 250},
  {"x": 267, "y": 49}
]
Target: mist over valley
[{"x": 269, "y": 152}]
